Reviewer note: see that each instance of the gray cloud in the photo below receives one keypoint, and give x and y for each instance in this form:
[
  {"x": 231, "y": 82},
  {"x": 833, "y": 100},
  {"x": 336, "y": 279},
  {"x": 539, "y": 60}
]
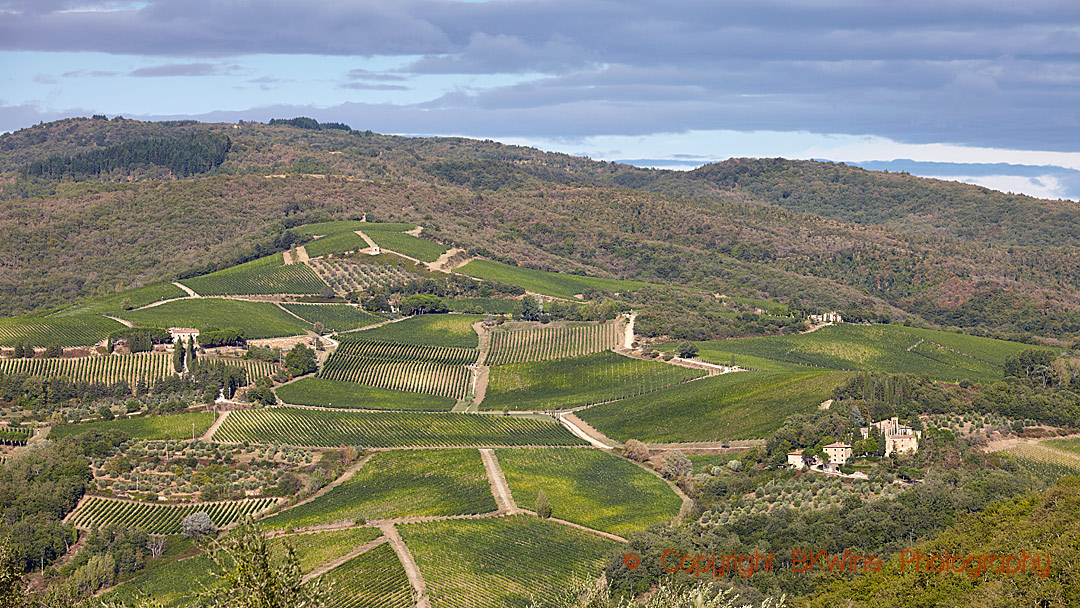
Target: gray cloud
[
  {"x": 175, "y": 69},
  {"x": 979, "y": 72}
]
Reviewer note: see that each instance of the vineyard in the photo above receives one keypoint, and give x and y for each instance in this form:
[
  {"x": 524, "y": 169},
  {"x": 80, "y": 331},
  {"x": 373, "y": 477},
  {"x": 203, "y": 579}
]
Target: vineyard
[
  {"x": 322, "y": 428},
  {"x": 160, "y": 519},
  {"x": 546, "y": 343},
  {"x": 503, "y": 561},
  {"x": 314, "y": 550},
  {"x": 14, "y": 435},
  {"x": 65, "y": 330},
  {"x": 425, "y": 251},
  {"x": 173, "y": 426},
  {"x": 590, "y": 487},
  {"x": 330, "y": 393},
  {"x": 743, "y": 405},
  {"x": 885, "y": 348},
  {"x": 125, "y": 300},
  {"x": 578, "y": 381},
  {"x": 255, "y": 368},
  {"x": 256, "y": 319},
  {"x": 1043, "y": 462},
  {"x": 334, "y": 317},
  {"x": 393, "y": 351},
  {"x": 400, "y": 483},
  {"x": 374, "y": 579},
  {"x": 555, "y": 284},
  {"x": 440, "y": 379},
  {"x": 346, "y": 276},
  {"x": 434, "y": 330},
  {"x": 341, "y": 242},
  {"x": 266, "y": 275},
  {"x": 110, "y": 369}
]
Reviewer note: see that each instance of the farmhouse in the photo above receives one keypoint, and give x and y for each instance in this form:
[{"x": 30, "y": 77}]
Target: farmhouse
[
  {"x": 898, "y": 437},
  {"x": 828, "y": 317},
  {"x": 838, "y": 453},
  {"x": 183, "y": 333}
]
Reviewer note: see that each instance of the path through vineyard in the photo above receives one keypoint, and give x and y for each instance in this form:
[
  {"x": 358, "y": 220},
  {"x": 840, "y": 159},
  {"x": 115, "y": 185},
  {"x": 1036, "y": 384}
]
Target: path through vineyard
[
  {"x": 499, "y": 487},
  {"x": 190, "y": 292},
  {"x": 330, "y": 565},
  {"x": 209, "y": 434},
  {"x": 411, "y": 570},
  {"x": 440, "y": 265}
]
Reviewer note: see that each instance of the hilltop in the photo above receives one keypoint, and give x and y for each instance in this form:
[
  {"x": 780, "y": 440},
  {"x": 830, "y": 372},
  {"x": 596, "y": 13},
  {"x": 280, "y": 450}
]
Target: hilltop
[{"x": 808, "y": 235}]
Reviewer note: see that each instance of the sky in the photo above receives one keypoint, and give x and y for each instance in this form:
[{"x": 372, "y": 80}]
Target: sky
[{"x": 981, "y": 91}]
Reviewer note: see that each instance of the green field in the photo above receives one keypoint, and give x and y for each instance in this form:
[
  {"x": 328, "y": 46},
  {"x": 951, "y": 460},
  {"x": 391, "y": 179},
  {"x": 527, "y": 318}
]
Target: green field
[
  {"x": 255, "y": 319},
  {"x": 314, "y": 550},
  {"x": 555, "y": 284},
  {"x": 400, "y": 483},
  {"x": 435, "y": 330},
  {"x": 267, "y": 275},
  {"x": 126, "y": 300},
  {"x": 353, "y": 346},
  {"x": 155, "y": 518},
  {"x": 575, "y": 381},
  {"x": 173, "y": 426},
  {"x": 703, "y": 461},
  {"x": 885, "y": 348},
  {"x": 173, "y": 584},
  {"x": 505, "y": 561},
  {"x": 742, "y": 405},
  {"x": 331, "y": 393},
  {"x": 328, "y": 228},
  {"x": 590, "y": 487},
  {"x": 321, "y": 428},
  {"x": 375, "y": 579},
  {"x": 340, "y": 242},
  {"x": 65, "y": 330},
  {"x": 334, "y": 317},
  {"x": 1071, "y": 444},
  {"x": 406, "y": 244},
  {"x": 441, "y": 379},
  {"x": 490, "y": 306}
]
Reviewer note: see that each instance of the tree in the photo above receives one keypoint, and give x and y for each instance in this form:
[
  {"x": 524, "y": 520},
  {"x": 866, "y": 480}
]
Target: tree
[
  {"x": 156, "y": 545},
  {"x": 418, "y": 304},
  {"x": 191, "y": 354},
  {"x": 251, "y": 577},
  {"x": 198, "y": 525},
  {"x": 530, "y": 309},
  {"x": 676, "y": 464},
  {"x": 687, "y": 350},
  {"x": 318, "y": 327},
  {"x": 543, "y": 505},
  {"x": 109, "y": 345},
  {"x": 178, "y": 357},
  {"x": 300, "y": 361},
  {"x": 636, "y": 451},
  {"x": 12, "y": 585},
  {"x": 326, "y": 293}
]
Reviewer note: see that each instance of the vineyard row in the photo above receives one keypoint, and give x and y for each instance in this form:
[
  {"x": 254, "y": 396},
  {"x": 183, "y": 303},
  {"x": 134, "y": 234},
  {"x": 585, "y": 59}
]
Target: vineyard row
[{"x": 544, "y": 344}]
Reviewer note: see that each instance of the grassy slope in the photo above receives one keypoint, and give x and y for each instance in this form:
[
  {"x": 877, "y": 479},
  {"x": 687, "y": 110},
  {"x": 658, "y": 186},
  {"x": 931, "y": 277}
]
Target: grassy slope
[
  {"x": 68, "y": 330},
  {"x": 548, "y": 283},
  {"x": 327, "y": 393},
  {"x": 334, "y": 317},
  {"x": 409, "y": 245},
  {"x": 576, "y": 381},
  {"x": 268, "y": 275},
  {"x": 175, "y": 426},
  {"x": 590, "y": 487},
  {"x": 887, "y": 348},
  {"x": 126, "y": 300},
  {"x": 257, "y": 319},
  {"x": 399, "y": 484},
  {"x": 505, "y": 561},
  {"x": 731, "y": 406},
  {"x": 434, "y": 330},
  {"x": 335, "y": 243},
  {"x": 297, "y": 426}
]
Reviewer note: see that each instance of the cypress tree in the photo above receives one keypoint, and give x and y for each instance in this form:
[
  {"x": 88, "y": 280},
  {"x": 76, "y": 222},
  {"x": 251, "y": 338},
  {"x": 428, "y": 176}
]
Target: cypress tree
[
  {"x": 178, "y": 356},
  {"x": 191, "y": 353}
]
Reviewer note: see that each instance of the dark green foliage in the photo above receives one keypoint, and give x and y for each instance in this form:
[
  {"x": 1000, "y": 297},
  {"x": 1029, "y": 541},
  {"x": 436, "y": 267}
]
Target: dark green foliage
[
  {"x": 687, "y": 350},
  {"x": 419, "y": 304},
  {"x": 221, "y": 337},
  {"x": 303, "y": 122},
  {"x": 543, "y": 505},
  {"x": 183, "y": 156},
  {"x": 300, "y": 360},
  {"x": 1025, "y": 363},
  {"x": 178, "y": 357}
]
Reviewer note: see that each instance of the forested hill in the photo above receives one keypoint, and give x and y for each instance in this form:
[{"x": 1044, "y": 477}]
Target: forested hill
[
  {"x": 818, "y": 235},
  {"x": 899, "y": 201}
]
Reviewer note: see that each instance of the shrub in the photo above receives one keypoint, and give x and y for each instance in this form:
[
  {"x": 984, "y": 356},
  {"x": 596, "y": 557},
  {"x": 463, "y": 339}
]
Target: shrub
[
  {"x": 543, "y": 505},
  {"x": 676, "y": 464},
  {"x": 197, "y": 525},
  {"x": 636, "y": 451}
]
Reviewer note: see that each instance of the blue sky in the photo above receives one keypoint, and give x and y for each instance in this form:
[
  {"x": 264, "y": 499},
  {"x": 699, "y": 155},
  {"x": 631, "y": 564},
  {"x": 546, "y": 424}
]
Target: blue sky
[{"x": 984, "y": 91}]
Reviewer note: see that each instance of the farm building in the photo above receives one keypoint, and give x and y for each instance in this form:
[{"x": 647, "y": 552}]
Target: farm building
[
  {"x": 898, "y": 437},
  {"x": 838, "y": 453},
  {"x": 183, "y": 333},
  {"x": 828, "y": 317}
]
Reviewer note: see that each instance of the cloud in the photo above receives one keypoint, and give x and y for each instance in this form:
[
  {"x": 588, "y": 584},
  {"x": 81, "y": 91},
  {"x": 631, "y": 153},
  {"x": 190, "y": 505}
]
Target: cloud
[
  {"x": 44, "y": 79},
  {"x": 362, "y": 74},
  {"x": 367, "y": 86},
  {"x": 175, "y": 69}
]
